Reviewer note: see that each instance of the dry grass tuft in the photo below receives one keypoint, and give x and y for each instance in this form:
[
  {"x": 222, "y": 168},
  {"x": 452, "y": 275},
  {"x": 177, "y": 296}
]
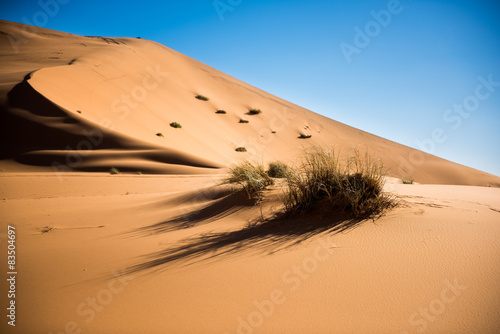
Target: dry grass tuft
[
  {"x": 251, "y": 176},
  {"x": 354, "y": 186},
  {"x": 254, "y": 111},
  {"x": 202, "y": 97},
  {"x": 176, "y": 125},
  {"x": 114, "y": 171},
  {"x": 278, "y": 169}
]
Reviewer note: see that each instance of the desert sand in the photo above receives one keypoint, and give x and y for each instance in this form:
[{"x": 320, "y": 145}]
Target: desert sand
[{"x": 171, "y": 250}]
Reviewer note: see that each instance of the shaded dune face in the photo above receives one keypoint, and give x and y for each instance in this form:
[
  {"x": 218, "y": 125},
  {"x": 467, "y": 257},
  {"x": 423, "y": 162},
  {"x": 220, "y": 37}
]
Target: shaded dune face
[
  {"x": 90, "y": 103},
  {"x": 37, "y": 132},
  {"x": 30, "y": 122}
]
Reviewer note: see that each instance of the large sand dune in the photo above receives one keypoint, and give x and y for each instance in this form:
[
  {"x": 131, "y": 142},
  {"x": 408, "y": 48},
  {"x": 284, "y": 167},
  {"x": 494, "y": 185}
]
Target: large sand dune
[
  {"x": 92, "y": 103},
  {"x": 173, "y": 250}
]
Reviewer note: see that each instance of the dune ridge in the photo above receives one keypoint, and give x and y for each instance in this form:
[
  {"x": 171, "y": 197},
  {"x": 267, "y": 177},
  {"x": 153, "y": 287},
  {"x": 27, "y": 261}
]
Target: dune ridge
[{"x": 92, "y": 103}]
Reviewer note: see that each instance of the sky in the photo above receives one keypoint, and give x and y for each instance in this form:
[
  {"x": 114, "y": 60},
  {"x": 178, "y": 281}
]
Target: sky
[{"x": 423, "y": 73}]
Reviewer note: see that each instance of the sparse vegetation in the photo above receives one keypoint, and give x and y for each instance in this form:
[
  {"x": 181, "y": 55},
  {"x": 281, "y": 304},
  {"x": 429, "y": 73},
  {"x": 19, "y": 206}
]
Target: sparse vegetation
[
  {"x": 138, "y": 172},
  {"x": 47, "y": 229},
  {"x": 273, "y": 131},
  {"x": 241, "y": 149},
  {"x": 159, "y": 134},
  {"x": 407, "y": 181},
  {"x": 221, "y": 112},
  {"x": 202, "y": 97},
  {"x": 254, "y": 111},
  {"x": 243, "y": 121},
  {"x": 304, "y": 136},
  {"x": 78, "y": 111},
  {"x": 354, "y": 187},
  {"x": 114, "y": 171},
  {"x": 251, "y": 176},
  {"x": 175, "y": 125},
  {"x": 278, "y": 169}
]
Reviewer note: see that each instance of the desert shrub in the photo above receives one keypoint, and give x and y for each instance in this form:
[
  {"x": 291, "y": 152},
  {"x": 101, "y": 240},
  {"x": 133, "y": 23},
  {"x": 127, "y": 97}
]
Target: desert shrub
[
  {"x": 175, "y": 125},
  {"x": 114, "y": 171},
  {"x": 243, "y": 121},
  {"x": 304, "y": 136},
  {"x": 159, "y": 134},
  {"x": 221, "y": 112},
  {"x": 254, "y": 111},
  {"x": 241, "y": 149},
  {"x": 251, "y": 176},
  {"x": 353, "y": 186},
  {"x": 407, "y": 181},
  {"x": 202, "y": 97},
  {"x": 278, "y": 169}
]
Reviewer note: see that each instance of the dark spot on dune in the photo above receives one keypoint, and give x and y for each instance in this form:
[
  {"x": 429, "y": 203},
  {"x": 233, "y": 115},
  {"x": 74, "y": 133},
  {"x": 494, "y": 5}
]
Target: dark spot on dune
[{"x": 47, "y": 229}]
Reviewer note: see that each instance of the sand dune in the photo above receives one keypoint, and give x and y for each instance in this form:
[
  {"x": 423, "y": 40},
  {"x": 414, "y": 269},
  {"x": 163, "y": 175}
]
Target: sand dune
[
  {"x": 91, "y": 103},
  {"x": 172, "y": 250}
]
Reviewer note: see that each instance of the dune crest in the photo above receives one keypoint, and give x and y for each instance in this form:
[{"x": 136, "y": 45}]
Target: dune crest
[{"x": 92, "y": 103}]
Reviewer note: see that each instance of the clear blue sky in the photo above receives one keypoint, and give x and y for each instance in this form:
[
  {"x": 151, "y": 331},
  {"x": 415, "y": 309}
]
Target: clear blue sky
[{"x": 399, "y": 78}]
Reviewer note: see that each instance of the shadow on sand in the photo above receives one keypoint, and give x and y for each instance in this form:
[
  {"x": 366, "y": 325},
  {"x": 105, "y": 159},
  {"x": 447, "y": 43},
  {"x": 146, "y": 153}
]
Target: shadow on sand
[
  {"x": 223, "y": 201},
  {"x": 262, "y": 235}
]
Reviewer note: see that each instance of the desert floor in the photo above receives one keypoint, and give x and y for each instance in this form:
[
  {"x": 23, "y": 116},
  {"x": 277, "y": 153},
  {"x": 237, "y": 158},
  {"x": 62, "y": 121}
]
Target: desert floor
[{"x": 178, "y": 254}]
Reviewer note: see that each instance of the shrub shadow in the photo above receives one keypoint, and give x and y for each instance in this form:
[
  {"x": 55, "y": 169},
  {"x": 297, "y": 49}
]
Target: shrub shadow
[
  {"x": 268, "y": 236},
  {"x": 223, "y": 202}
]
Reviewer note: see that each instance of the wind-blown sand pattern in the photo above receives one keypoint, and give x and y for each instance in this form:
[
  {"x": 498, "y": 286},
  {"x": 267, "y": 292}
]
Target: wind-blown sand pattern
[{"x": 171, "y": 250}]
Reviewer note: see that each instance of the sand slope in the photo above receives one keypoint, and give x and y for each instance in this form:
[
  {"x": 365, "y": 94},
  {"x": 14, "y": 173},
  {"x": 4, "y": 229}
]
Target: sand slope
[{"x": 92, "y": 103}]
